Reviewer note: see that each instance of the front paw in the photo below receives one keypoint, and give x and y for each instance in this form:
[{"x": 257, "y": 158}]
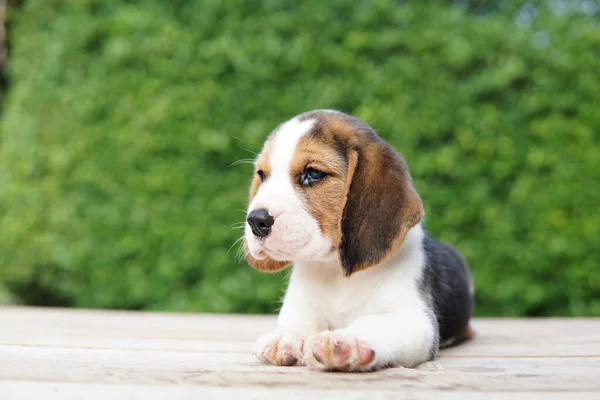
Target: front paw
[
  {"x": 336, "y": 351},
  {"x": 279, "y": 348}
]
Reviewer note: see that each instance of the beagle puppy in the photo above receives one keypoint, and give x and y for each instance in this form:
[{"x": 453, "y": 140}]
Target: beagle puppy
[{"x": 369, "y": 288}]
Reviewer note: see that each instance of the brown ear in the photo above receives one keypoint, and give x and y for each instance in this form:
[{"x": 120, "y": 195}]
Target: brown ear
[
  {"x": 382, "y": 205},
  {"x": 267, "y": 264}
]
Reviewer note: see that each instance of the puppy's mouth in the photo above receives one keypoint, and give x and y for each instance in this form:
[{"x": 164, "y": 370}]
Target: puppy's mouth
[{"x": 276, "y": 253}]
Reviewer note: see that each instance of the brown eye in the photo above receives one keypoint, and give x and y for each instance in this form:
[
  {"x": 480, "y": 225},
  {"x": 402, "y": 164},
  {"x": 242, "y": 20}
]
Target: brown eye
[
  {"x": 261, "y": 175},
  {"x": 311, "y": 176}
]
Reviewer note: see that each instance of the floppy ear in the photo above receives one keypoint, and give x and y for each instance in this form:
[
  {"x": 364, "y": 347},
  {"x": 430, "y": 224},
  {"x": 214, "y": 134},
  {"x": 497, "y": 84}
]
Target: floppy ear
[
  {"x": 381, "y": 206},
  {"x": 266, "y": 265}
]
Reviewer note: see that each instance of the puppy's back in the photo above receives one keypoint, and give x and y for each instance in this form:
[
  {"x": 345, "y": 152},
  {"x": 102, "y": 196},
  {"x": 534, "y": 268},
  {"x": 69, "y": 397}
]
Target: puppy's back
[{"x": 447, "y": 282}]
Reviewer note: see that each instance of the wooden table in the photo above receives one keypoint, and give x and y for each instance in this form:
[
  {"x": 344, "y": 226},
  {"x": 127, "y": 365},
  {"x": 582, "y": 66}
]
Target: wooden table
[{"x": 83, "y": 354}]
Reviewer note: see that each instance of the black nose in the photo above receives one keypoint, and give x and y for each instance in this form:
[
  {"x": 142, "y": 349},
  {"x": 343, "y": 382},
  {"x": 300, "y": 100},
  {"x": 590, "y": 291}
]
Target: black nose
[{"x": 261, "y": 222}]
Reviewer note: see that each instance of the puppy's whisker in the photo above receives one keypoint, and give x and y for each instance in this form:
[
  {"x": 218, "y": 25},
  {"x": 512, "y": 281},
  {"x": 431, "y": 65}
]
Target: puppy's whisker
[
  {"x": 237, "y": 225},
  {"x": 235, "y": 243},
  {"x": 242, "y": 253},
  {"x": 242, "y": 161},
  {"x": 248, "y": 150}
]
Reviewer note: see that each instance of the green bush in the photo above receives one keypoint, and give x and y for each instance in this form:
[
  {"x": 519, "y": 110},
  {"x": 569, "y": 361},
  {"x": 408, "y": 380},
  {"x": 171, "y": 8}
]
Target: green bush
[{"x": 124, "y": 117}]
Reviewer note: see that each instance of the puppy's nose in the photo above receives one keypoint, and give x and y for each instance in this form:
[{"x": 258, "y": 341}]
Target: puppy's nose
[{"x": 261, "y": 222}]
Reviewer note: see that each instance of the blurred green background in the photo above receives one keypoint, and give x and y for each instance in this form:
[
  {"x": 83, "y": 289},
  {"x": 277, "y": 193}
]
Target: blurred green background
[{"x": 122, "y": 119}]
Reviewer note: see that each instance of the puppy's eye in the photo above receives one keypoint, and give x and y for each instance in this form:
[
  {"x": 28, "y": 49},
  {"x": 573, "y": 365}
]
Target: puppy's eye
[
  {"x": 311, "y": 176},
  {"x": 261, "y": 175}
]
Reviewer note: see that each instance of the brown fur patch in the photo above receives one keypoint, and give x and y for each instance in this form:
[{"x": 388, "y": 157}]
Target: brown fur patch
[{"x": 324, "y": 201}]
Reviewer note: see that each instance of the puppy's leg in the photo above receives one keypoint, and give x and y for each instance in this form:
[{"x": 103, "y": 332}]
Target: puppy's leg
[
  {"x": 297, "y": 320},
  {"x": 375, "y": 341}
]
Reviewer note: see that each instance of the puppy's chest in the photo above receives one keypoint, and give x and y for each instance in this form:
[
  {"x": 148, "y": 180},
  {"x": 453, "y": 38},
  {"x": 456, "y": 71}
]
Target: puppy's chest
[{"x": 343, "y": 303}]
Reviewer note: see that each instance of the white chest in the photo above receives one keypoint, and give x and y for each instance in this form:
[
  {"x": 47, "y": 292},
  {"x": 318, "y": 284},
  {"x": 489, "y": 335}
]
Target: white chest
[{"x": 341, "y": 300}]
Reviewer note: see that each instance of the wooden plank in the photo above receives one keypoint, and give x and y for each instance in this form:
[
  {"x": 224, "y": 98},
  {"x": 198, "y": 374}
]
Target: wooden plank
[
  {"x": 233, "y": 333},
  {"x": 70, "y": 391},
  {"x": 126, "y": 353},
  {"x": 217, "y": 369}
]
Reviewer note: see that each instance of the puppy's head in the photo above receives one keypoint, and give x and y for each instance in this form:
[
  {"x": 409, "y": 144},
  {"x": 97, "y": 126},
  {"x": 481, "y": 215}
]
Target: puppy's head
[{"x": 325, "y": 188}]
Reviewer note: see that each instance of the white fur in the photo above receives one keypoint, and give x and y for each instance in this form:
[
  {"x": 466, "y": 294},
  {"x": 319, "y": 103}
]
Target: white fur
[{"x": 380, "y": 307}]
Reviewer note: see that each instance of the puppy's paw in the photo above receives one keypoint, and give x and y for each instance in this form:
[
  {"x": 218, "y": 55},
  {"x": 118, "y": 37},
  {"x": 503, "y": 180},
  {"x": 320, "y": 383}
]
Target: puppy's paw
[
  {"x": 279, "y": 348},
  {"x": 336, "y": 351}
]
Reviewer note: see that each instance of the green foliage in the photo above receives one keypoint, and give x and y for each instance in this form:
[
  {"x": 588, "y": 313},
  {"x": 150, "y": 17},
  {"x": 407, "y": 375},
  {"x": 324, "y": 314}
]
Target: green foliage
[
  {"x": 124, "y": 117},
  {"x": 5, "y": 296}
]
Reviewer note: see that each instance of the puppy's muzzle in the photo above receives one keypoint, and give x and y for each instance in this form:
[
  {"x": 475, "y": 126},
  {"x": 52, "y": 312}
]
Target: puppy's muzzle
[{"x": 261, "y": 222}]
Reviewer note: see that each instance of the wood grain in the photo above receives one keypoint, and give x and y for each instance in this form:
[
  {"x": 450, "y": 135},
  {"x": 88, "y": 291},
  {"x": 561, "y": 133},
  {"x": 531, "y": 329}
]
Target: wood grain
[{"x": 56, "y": 353}]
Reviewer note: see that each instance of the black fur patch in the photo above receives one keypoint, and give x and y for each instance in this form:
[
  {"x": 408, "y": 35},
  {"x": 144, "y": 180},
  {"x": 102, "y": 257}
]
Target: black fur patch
[{"x": 445, "y": 284}]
